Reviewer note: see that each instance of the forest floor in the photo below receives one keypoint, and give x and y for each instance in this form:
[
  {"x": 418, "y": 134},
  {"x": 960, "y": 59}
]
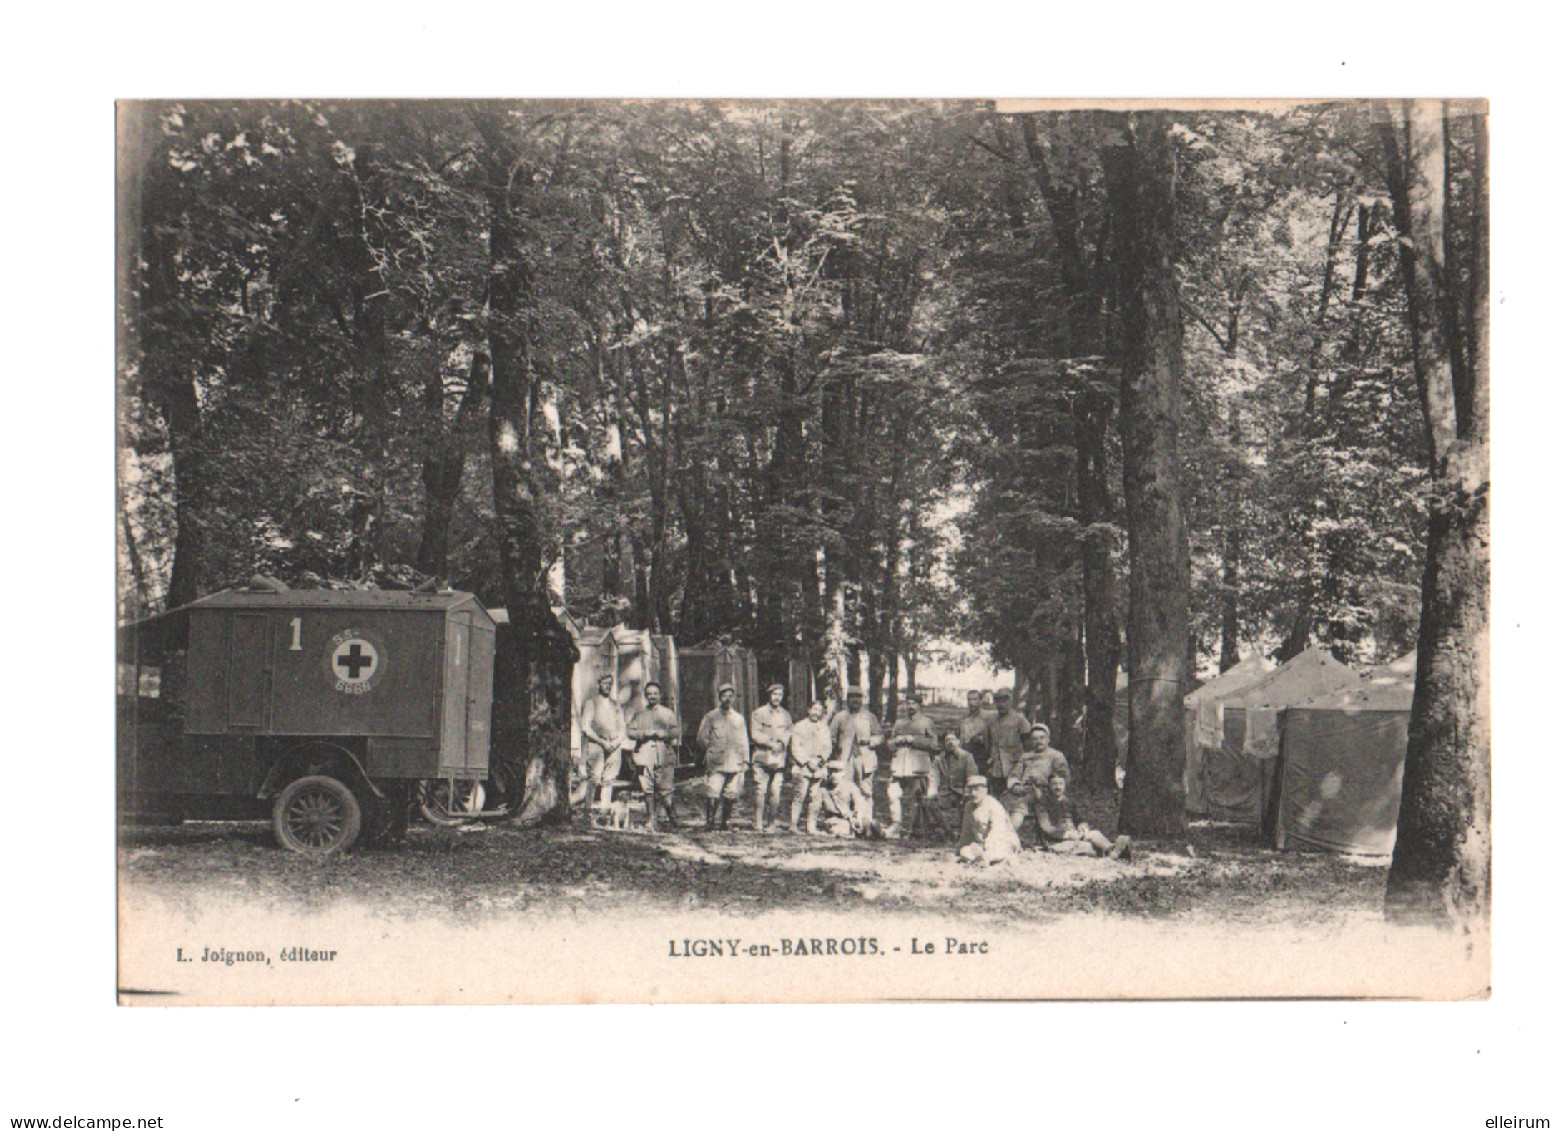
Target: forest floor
[{"x": 1217, "y": 874}]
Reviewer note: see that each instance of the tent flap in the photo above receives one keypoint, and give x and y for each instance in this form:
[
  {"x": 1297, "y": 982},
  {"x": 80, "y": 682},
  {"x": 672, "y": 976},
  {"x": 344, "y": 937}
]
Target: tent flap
[{"x": 1343, "y": 778}]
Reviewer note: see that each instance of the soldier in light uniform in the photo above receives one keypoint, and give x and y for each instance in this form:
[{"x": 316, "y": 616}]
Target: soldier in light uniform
[
  {"x": 809, "y": 752},
  {"x": 771, "y": 734},
  {"x": 656, "y": 731},
  {"x": 972, "y": 729},
  {"x": 856, "y": 734},
  {"x": 987, "y": 836},
  {"x": 948, "y": 786},
  {"x": 604, "y": 734},
  {"x": 723, "y": 736},
  {"x": 846, "y": 811},
  {"x": 1005, "y": 734},
  {"x": 913, "y": 744}
]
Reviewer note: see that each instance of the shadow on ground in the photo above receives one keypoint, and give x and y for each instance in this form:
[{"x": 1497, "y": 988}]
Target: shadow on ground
[{"x": 1221, "y": 874}]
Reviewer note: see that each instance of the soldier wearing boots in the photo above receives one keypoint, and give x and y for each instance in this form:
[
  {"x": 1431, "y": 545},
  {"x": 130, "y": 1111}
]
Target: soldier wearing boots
[
  {"x": 656, "y": 731},
  {"x": 809, "y": 752},
  {"x": 723, "y": 736},
  {"x": 913, "y": 745},
  {"x": 771, "y": 731}
]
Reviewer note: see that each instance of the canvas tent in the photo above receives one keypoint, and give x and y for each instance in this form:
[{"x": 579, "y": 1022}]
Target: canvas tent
[
  {"x": 1342, "y": 768},
  {"x": 1253, "y": 669},
  {"x": 1399, "y": 673},
  {"x": 1239, "y": 774}
]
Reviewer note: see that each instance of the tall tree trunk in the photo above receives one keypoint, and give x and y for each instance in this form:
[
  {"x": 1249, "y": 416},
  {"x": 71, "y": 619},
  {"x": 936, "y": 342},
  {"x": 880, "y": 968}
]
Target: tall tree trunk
[
  {"x": 446, "y": 462},
  {"x": 1140, "y": 175},
  {"x": 179, "y": 405},
  {"x": 1441, "y": 865},
  {"x": 1229, "y": 600},
  {"x": 1093, "y": 409},
  {"x": 1070, "y": 695},
  {"x": 537, "y": 678},
  {"x": 152, "y": 294},
  {"x": 1092, "y": 412}
]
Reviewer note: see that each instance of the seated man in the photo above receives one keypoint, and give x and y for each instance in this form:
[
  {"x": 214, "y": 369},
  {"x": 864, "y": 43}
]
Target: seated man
[
  {"x": 987, "y": 836},
  {"x": 845, "y": 809},
  {"x": 947, "y": 787},
  {"x": 1028, "y": 782},
  {"x": 1061, "y": 831}
]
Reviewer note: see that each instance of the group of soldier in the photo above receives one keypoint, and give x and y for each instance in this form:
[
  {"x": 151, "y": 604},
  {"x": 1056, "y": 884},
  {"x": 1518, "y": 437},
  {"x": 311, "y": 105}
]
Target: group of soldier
[{"x": 979, "y": 783}]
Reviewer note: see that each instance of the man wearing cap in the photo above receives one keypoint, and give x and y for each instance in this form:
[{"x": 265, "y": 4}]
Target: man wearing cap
[
  {"x": 855, "y": 734},
  {"x": 948, "y": 784},
  {"x": 723, "y": 736},
  {"x": 771, "y": 730},
  {"x": 1026, "y": 786},
  {"x": 972, "y": 728},
  {"x": 986, "y": 836},
  {"x": 604, "y": 734},
  {"x": 1005, "y": 734},
  {"x": 809, "y": 753},
  {"x": 1062, "y": 831},
  {"x": 845, "y": 809},
  {"x": 656, "y": 731},
  {"x": 913, "y": 745}
]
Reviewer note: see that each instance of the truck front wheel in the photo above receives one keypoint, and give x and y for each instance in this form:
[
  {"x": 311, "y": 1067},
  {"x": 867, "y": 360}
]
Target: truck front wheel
[{"x": 317, "y": 816}]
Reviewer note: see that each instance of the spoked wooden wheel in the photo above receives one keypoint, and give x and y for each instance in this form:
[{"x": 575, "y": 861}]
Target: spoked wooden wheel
[
  {"x": 450, "y": 803},
  {"x": 317, "y": 816}
]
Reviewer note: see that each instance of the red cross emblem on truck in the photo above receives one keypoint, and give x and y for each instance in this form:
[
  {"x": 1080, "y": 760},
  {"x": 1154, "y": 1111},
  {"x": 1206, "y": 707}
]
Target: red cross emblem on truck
[{"x": 355, "y": 662}]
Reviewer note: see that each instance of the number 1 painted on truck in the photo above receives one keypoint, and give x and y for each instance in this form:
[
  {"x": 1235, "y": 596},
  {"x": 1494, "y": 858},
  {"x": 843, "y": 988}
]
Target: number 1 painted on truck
[{"x": 297, "y": 640}]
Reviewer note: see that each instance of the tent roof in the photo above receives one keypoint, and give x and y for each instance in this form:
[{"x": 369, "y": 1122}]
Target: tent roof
[
  {"x": 1312, "y": 673},
  {"x": 1401, "y": 672},
  {"x": 1253, "y": 669},
  {"x": 1370, "y": 696}
]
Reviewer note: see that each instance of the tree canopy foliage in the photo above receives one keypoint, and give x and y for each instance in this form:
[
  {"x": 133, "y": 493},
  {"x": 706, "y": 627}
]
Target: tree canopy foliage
[{"x": 832, "y": 379}]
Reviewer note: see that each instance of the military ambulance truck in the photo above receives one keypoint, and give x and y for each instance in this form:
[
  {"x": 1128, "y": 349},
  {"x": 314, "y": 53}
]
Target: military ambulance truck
[{"x": 330, "y": 711}]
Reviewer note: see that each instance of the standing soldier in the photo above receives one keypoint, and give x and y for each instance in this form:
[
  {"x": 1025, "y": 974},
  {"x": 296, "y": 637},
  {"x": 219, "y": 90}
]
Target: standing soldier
[
  {"x": 656, "y": 732},
  {"x": 771, "y": 729},
  {"x": 914, "y": 744},
  {"x": 723, "y": 736},
  {"x": 809, "y": 752},
  {"x": 1005, "y": 734},
  {"x": 972, "y": 729},
  {"x": 605, "y": 734},
  {"x": 855, "y": 734}
]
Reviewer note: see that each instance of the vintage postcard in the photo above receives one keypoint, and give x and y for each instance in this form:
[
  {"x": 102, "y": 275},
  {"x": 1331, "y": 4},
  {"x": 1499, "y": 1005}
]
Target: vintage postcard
[{"x": 802, "y": 551}]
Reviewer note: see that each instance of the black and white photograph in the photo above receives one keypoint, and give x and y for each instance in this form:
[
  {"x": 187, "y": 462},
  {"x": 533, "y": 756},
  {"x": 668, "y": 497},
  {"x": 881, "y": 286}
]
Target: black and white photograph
[
  {"x": 777, "y": 566},
  {"x": 802, "y": 550}
]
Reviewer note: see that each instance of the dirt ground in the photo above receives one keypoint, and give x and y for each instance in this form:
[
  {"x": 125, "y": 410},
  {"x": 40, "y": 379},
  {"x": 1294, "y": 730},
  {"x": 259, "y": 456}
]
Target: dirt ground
[{"x": 1219, "y": 875}]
